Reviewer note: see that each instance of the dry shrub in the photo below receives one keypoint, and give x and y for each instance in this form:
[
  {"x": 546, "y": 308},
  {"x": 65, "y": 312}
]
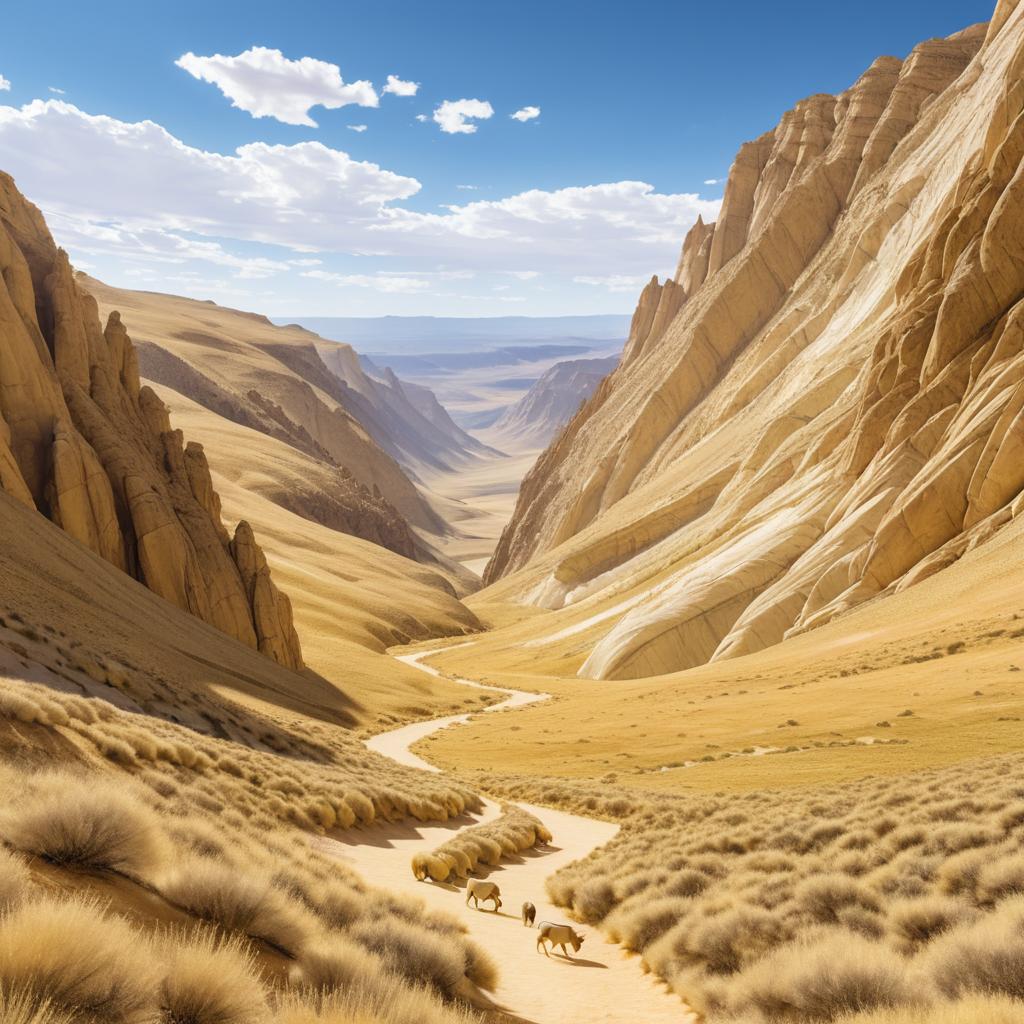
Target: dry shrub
[
  {"x": 428, "y": 865},
  {"x": 480, "y": 967},
  {"x": 413, "y": 952},
  {"x": 69, "y": 955},
  {"x": 86, "y": 823},
  {"x": 982, "y": 958},
  {"x": 515, "y": 830},
  {"x": 396, "y": 1005},
  {"x": 639, "y": 922},
  {"x": 1001, "y": 878},
  {"x": 725, "y": 942},
  {"x": 23, "y": 1008},
  {"x": 15, "y": 880},
  {"x": 210, "y": 980},
  {"x": 594, "y": 900},
  {"x": 914, "y": 923},
  {"x": 821, "y": 978},
  {"x": 335, "y": 963},
  {"x": 976, "y": 1010},
  {"x": 824, "y": 897},
  {"x": 240, "y": 903}
]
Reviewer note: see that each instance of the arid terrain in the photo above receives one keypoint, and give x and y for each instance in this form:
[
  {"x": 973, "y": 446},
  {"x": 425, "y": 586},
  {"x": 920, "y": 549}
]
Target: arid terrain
[{"x": 712, "y": 652}]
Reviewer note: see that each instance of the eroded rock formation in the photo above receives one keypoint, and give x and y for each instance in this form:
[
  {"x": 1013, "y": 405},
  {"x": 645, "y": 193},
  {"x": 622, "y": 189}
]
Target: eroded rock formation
[
  {"x": 827, "y": 403},
  {"x": 85, "y": 445}
]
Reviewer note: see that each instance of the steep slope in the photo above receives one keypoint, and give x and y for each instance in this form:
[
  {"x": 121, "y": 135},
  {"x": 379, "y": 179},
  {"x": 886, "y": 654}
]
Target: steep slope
[
  {"x": 405, "y": 419},
  {"x": 552, "y": 400},
  {"x": 83, "y": 443},
  {"x": 273, "y": 380},
  {"x": 824, "y": 405}
]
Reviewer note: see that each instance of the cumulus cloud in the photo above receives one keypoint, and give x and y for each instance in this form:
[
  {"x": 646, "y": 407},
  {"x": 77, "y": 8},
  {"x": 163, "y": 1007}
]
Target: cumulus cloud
[
  {"x": 397, "y": 87},
  {"x": 314, "y": 199},
  {"x": 525, "y": 114},
  {"x": 5, "y": 84},
  {"x": 356, "y": 127},
  {"x": 422, "y": 117},
  {"x": 452, "y": 114},
  {"x": 265, "y": 83},
  {"x": 614, "y": 282}
]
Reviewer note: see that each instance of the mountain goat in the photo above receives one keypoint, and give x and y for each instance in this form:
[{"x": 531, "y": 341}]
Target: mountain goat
[
  {"x": 558, "y": 935},
  {"x": 479, "y": 890}
]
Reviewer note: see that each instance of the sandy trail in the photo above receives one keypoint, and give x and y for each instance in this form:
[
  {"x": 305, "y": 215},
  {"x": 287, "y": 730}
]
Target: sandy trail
[{"x": 602, "y": 985}]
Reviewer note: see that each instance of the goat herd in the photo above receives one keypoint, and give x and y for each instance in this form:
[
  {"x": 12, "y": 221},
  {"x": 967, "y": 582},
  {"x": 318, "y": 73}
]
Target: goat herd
[{"x": 560, "y": 935}]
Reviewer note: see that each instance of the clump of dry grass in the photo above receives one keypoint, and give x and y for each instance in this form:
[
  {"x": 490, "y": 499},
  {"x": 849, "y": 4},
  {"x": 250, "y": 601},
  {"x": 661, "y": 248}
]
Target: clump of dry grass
[
  {"x": 210, "y": 980},
  {"x": 67, "y": 954},
  {"x": 414, "y": 952},
  {"x": 820, "y": 979},
  {"x": 975, "y": 1010},
  {"x": 396, "y": 1005},
  {"x": 15, "y": 881},
  {"x": 732, "y": 894},
  {"x": 514, "y": 831},
  {"x": 22, "y": 1008},
  {"x": 92, "y": 824},
  {"x": 247, "y": 903}
]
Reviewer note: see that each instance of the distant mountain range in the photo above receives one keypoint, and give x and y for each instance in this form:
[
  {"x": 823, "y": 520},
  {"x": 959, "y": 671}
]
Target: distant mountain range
[{"x": 426, "y": 334}]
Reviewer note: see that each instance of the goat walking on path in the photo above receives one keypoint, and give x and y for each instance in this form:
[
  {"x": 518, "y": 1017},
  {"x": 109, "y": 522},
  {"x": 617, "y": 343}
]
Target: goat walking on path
[
  {"x": 558, "y": 935},
  {"x": 483, "y": 891},
  {"x": 529, "y": 914}
]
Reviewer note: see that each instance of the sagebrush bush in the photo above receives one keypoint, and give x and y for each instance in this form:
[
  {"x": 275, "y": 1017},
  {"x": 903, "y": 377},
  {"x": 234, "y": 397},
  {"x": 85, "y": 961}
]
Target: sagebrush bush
[
  {"x": 69, "y": 955},
  {"x": 413, "y": 952},
  {"x": 981, "y": 958},
  {"x": 823, "y": 978},
  {"x": 86, "y": 823},
  {"x": 210, "y": 980},
  {"x": 239, "y": 902}
]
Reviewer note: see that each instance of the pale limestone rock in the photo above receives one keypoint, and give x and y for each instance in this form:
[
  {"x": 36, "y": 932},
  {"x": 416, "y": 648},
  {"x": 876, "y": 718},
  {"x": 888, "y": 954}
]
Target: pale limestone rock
[{"x": 851, "y": 357}]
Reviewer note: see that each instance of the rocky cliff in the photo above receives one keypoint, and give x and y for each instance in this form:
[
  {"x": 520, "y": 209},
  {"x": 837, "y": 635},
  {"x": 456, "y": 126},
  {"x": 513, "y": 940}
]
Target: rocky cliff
[
  {"x": 826, "y": 403},
  {"x": 83, "y": 443},
  {"x": 551, "y": 401}
]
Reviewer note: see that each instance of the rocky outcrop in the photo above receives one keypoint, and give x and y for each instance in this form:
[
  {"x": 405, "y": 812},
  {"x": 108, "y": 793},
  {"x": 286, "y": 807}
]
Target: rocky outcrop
[
  {"x": 85, "y": 445},
  {"x": 551, "y": 401},
  {"x": 834, "y": 409}
]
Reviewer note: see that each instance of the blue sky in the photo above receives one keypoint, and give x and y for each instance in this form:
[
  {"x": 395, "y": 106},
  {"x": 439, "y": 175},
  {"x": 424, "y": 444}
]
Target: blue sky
[{"x": 152, "y": 178}]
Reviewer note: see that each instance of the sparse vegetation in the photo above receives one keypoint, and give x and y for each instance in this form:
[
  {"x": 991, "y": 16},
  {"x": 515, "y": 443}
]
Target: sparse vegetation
[
  {"x": 516, "y": 830},
  {"x": 884, "y": 895}
]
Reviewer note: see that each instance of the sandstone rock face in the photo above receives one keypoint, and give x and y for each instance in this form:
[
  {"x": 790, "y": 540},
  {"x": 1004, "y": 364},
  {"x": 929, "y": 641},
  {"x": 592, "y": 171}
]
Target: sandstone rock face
[
  {"x": 86, "y": 446},
  {"x": 551, "y": 401},
  {"x": 834, "y": 408}
]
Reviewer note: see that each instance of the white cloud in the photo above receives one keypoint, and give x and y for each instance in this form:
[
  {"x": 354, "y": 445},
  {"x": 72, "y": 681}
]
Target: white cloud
[
  {"x": 524, "y": 275},
  {"x": 356, "y": 127},
  {"x": 525, "y": 114},
  {"x": 422, "y": 117},
  {"x": 712, "y": 181},
  {"x": 468, "y": 188},
  {"x": 313, "y": 199},
  {"x": 378, "y": 282},
  {"x": 5, "y": 84},
  {"x": 55, "y": 90},
  {"x": 397, "y": 87},
  {"x": 305, "y": 263},
  {"x": 451, "y": 115},
  {"x": 267, "y": 84},
  {"x": 615, "y": 282}
]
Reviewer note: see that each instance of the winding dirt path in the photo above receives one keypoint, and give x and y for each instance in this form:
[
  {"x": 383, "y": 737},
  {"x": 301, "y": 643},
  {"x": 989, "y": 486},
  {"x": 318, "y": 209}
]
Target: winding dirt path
[{"x": 602, "y": 985}]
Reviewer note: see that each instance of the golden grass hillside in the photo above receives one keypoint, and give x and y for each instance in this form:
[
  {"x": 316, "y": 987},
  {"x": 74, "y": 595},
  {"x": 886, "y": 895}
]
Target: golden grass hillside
[{"x": 928, "y": 676}]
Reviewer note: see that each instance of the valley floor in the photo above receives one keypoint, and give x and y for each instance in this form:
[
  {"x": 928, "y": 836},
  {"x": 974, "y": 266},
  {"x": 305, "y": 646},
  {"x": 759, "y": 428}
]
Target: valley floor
[{"x": 600, "y": 985}]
